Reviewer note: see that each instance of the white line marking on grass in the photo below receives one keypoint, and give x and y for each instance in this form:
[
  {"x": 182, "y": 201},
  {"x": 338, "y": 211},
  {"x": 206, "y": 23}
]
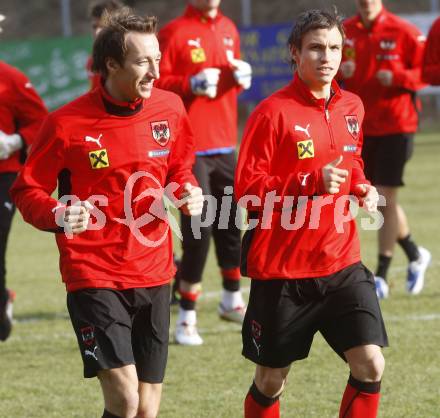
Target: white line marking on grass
[{"x": 424, "y": 317}]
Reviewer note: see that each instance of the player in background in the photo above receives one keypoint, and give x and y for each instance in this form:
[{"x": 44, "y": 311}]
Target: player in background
[
  {"x": 431, "y": 62},
  {"x": 201, "y": 62},
  {"x": 21, "y": 113},
  {"x": 116, "y": 147},
  {"x": 96, "y": 15},
  {"x": 304, "y": 142},
  {"x": 382, "y": 64}
]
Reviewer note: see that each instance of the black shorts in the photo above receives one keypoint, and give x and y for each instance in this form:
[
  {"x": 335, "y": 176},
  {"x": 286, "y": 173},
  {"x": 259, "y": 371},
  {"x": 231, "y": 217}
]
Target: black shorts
[
  {"x": 283, "y": 316},
  {"x": 213, "y": 173},
  {"x": 385, "y": 158},
  {"x": 116, "y": 328},
  {"x": 7, "y": 208}
]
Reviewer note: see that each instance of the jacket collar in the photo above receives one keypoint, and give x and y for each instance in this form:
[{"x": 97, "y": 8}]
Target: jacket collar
[
  {"x": 118, "y": 107},
  {"x": 299, "y": 88},
  {"x": 194, "y": 13}
]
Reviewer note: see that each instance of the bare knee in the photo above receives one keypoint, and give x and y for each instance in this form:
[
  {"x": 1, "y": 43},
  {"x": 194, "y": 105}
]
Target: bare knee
[
  {"x": 124, "y": 403},
  {"x": 120, "y": 389},
  {"x": 270, "y": 382},
  {"x": 149, "y": 399},
  {"x": 145, "y": 414},
  {"x": 366, "y": 365}
]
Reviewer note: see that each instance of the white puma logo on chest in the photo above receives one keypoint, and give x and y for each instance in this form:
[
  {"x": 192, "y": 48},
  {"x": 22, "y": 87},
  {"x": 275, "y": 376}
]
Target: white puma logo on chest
[
  {"x": 305, "y": 130},
  {"x": 96, "y": 140}
]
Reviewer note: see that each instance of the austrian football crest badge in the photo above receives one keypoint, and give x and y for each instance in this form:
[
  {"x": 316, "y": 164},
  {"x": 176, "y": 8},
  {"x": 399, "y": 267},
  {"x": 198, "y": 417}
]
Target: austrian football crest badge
[
  {"x": 88, "y": 335},
  {"x": 353, "y": 125},
  {"x": 161, "y": 132}
]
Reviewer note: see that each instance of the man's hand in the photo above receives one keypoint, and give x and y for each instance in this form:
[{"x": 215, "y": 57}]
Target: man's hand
[
  {"x": 76, "y": 217},
  {"x": 192, "y": 200},
  {"x": 347, "y": 69},
  {"x": 9, "y": 144},
  {"x": 385, "y": 77},
  {"x": 242, "y": 72},
  {"x": 333, "y": 176},
  {"x": 205, "y": 82},
  {"x": 368, "y": 197}
]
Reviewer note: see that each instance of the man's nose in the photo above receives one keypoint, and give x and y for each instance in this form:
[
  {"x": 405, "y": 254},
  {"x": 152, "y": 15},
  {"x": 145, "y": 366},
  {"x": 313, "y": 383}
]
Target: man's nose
[{"x": 154, "y": 71}]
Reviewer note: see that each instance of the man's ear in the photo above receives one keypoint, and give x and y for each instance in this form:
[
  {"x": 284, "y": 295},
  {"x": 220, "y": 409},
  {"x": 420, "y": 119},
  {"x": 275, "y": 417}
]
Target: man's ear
[
  {"x": 112, "y": 65},
  {"x": 293, "y": 54}
]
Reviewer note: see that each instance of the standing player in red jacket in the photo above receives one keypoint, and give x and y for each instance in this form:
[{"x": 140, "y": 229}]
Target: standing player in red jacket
[
  {"x": 299, "y": 161},
  {"x": 382, "y": 63},
  {"x": 431, "y": 62},
  {"x": 117, "y": 147},
  {"x": 201, "y": 51},
  {"x": 21, "y": 113}
]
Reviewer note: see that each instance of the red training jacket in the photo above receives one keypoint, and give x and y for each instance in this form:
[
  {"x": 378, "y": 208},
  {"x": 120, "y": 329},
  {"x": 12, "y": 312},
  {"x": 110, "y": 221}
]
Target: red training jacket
[
  {"x": 93, "y": 146},
  {"x": 21, "y": 111},
  {"x": 431, "y": 63},
  {"x": 391, "y": 43},
  {"x": 288, "y": 138},
  {"x": 189, "y": 44}
]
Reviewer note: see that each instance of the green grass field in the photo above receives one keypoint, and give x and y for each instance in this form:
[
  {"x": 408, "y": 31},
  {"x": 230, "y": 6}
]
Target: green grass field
[{"x": 41, "y": 369}]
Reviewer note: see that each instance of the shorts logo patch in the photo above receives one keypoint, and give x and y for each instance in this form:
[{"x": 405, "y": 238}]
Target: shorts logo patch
[
  {"x": 99, "y": 159},
  {"x": 256, "y": 330},
  {"x": 305, "y": 149},
  {"x": 161, "y": 132},
  {"x": 352, "y": 125},
  {"x": 256, "y": 335},
  {"x": 198, "y": 55},
  {"x": 88, "y": 335}
]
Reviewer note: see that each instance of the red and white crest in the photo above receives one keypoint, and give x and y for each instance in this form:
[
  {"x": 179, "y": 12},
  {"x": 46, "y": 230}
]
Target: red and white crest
[
  {"x": 88, "y": 335},
  {"x": 353, "y": 125},
  {"x": 256, "y": 330},
  {"x": 161, "y": 132}
]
